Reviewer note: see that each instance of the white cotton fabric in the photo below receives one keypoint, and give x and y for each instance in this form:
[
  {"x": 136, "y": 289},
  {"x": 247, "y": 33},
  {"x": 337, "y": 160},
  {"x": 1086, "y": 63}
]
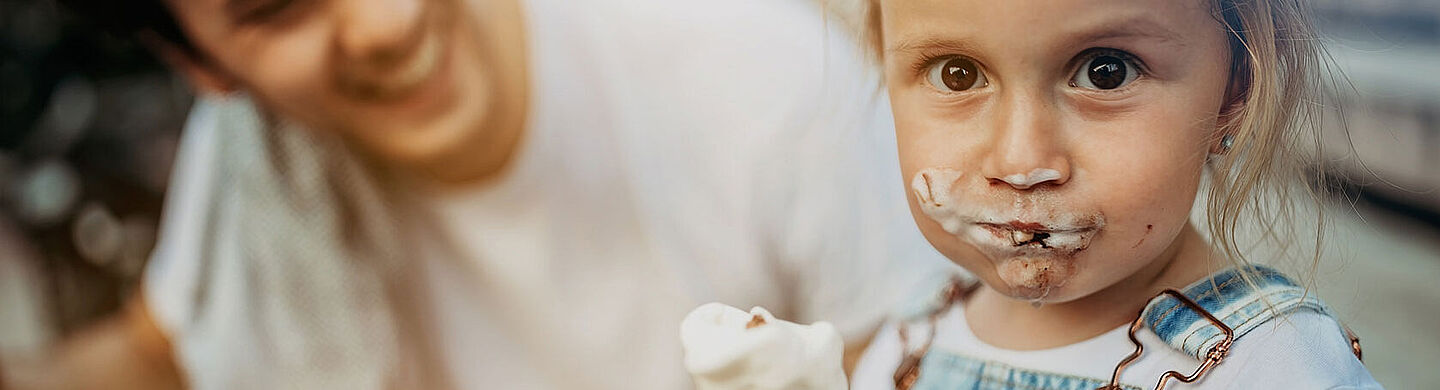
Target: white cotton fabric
[{"x": 678, "y": 153}]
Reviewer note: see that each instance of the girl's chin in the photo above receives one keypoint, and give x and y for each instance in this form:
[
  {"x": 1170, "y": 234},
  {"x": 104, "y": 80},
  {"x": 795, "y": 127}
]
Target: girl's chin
[{"x": 1035, "y": 278}]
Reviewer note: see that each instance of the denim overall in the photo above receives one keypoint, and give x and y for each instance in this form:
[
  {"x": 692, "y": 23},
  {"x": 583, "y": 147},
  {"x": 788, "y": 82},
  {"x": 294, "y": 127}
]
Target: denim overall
[{"x": 1226, "y": 295}]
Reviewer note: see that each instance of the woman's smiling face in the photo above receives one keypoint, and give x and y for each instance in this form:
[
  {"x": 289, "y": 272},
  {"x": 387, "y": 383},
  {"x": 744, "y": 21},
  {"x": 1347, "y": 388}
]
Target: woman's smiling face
[
  {"x": 1054, "y": 148},
  {"x": 425, "y": 83}
]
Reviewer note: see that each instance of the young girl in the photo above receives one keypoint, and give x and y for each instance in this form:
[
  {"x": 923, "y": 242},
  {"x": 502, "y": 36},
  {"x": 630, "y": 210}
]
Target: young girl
[{"x": 1055, "y": 148}]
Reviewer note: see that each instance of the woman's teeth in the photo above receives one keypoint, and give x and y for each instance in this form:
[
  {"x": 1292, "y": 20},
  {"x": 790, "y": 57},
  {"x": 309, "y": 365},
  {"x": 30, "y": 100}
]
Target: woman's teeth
[
  {"x": 400, "y": 82},
  {"x": 425, "y": 63}
]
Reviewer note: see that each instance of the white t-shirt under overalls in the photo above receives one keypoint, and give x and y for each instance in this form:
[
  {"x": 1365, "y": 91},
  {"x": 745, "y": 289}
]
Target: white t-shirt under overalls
[{"x": 1304, "y": 349}]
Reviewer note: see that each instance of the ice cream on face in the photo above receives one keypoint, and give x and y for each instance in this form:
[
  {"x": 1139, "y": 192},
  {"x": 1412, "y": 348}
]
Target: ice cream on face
[
  {"x": 728, "y": 348},
  {"x": 1036, "y": 176},
  {"x": 1032, "y": 240}
]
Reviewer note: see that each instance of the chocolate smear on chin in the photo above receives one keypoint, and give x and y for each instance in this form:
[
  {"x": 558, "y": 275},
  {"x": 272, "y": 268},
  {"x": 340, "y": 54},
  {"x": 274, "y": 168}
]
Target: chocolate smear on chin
[{"x": 1033, "y": 278}]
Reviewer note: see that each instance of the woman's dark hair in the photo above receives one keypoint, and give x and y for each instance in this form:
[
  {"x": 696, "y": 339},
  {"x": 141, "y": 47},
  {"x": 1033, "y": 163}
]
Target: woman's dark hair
[{"x": 131, "y": 18}]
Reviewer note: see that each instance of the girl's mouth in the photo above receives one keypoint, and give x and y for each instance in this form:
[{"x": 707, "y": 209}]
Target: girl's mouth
[
  {"x": 1033, "y": 240},
  {"x": 1038, "y": 237},
  {"x": 1033, "y": 259},
  {"x": 1030, "y": 226}
]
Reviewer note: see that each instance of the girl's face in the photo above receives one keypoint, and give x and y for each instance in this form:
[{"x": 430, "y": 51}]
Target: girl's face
[{"x": 1054, "y": 148}]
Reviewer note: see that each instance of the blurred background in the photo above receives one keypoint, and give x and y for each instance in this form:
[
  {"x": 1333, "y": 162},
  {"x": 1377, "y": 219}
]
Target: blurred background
[{"x": 90, "y": 123}]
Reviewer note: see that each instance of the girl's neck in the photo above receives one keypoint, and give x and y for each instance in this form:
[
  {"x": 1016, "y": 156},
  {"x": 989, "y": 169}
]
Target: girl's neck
[{"x": 1017, "y": 324}]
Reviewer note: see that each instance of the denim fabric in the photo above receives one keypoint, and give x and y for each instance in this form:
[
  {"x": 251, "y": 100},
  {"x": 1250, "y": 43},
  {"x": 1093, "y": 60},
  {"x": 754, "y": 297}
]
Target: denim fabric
[
  {"x": 1225, "y": 294},
  {"x": 1233, "y": 300},
  {"x": 941, "y": 370}
]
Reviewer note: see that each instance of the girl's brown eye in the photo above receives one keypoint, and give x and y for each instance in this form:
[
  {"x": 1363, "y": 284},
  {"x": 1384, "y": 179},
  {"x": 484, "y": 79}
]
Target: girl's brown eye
[
  {"x": 1105, "y": 72},
  {"x": 955, "y": 74}
]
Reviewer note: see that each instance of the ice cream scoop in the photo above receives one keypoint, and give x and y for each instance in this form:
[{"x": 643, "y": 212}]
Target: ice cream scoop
[{"x": 727, "y": 348}]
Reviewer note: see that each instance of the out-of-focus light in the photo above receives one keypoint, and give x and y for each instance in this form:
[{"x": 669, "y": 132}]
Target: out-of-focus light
[
  {"x": 147, "y": 104},
  {"x": 97, "y": 234},
  {"x": 47, "y": 193},
  {"x": 71, "y": 110},
  {"x": 140, "y": 238}
]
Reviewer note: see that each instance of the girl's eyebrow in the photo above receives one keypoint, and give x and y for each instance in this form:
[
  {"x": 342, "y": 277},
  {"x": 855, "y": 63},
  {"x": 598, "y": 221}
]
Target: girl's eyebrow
[
  {"x": 929, "y": 44},
  {"x": 1136, "y": 27}
]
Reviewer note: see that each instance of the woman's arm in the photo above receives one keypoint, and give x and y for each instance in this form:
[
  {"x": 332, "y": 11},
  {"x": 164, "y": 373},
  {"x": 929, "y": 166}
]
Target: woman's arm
[{"x": 125, "y": 352}]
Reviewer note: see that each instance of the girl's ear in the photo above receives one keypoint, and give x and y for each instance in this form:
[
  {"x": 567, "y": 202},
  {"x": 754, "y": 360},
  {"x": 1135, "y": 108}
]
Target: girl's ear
[
  {"x": 1237, "y": 93},
  {"x": 201, "y": 72}
]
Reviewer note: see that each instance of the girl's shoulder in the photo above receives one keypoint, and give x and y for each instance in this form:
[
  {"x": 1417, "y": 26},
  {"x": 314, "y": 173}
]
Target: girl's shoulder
[
  {"x": 1266, "y": 330},
  {"x": 1299, "y": 350}
]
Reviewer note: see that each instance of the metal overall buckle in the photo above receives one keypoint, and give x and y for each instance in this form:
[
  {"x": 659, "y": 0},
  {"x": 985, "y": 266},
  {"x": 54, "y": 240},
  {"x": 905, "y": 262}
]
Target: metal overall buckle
[
  {"x": 1213, "y": 358},
  {"x": 909, "y": 368}
]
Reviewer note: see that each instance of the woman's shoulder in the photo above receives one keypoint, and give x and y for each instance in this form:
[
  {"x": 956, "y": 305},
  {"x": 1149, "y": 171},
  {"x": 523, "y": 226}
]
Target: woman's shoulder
[{"x": 1300, "y": 350}]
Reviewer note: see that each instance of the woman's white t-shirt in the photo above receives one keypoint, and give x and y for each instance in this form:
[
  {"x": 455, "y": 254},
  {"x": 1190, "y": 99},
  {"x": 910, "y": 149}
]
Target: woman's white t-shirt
[{"x": 678, "y": 153}]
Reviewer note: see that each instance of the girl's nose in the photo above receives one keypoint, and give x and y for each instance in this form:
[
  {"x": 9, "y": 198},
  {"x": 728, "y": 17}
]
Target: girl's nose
[
  {"x": 379, "y": 32},
  {"x": 1026, "y": 149}
]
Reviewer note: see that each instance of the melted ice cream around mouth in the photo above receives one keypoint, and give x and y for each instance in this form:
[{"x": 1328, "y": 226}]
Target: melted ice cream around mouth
[
  {"x": 1032, "y": 242},
  {"x": 1062, "y": 241},
  {"x": 1001, "y": 230}
]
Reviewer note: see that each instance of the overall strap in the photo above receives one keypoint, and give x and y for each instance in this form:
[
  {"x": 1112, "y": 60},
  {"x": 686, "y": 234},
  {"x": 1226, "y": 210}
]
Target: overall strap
[
  {"x": 932, "y": 303},
  {"x": 1241, "y": 304}
]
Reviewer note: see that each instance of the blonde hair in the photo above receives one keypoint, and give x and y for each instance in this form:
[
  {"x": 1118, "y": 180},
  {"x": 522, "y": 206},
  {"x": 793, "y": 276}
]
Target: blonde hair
[
  {"x": 1277, "y": 77},
  {"x": 1278, "y": 68}
]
